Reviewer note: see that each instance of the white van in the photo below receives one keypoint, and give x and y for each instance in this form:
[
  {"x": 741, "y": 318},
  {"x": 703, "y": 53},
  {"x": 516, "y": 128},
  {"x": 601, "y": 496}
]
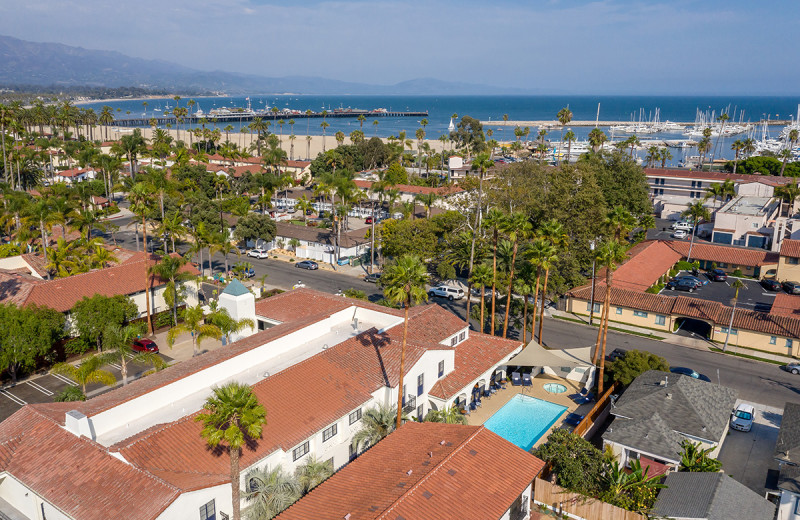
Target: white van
[{"x": 682, "y": 225}]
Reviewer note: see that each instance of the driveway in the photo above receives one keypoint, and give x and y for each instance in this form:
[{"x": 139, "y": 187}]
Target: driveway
[
  {"x": 747, "y": 456},
  {"x": 752, "y": 296}
]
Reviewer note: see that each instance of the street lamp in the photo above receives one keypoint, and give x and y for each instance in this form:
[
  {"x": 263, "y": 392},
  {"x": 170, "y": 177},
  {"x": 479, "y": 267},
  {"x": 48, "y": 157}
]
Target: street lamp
[{"x": 592, "y": 244}]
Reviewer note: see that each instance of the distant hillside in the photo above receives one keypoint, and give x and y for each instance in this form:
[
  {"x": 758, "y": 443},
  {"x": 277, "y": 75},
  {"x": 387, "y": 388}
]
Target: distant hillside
[{"x": 23, "y": 62}]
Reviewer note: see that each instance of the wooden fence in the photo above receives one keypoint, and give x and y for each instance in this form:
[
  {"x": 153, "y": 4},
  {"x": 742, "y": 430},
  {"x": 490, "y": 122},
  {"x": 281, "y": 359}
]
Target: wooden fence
[
  {"x": 579, "y": 505},
  {"x": 601, "y": 404}
]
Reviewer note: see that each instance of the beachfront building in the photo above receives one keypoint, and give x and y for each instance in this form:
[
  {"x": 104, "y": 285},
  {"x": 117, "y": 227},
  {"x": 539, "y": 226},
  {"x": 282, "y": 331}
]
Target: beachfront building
[
  {"x": 660, "y": 410},
  {"x": 428, "y": 470},
  {"x": 137, "y": 452}
]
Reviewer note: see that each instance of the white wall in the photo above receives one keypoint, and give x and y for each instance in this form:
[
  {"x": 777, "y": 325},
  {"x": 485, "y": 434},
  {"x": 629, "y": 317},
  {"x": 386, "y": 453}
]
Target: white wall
[
  {"x": 187, "y": 505},
  {"x": 26, "y": 501},
  {"x": 787, "y": 506},
  {"x": 17, "y": 262}
]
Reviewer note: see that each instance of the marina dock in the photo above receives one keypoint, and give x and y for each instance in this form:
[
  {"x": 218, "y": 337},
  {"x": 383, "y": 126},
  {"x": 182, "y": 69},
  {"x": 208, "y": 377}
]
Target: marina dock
[
  {"x": 556, "y": 124},
  {"x": 269, "y": 116}
]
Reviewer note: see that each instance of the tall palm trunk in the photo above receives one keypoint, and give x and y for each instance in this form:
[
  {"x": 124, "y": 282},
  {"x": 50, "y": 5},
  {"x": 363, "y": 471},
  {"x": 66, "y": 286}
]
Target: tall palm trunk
[
  {"x": 535, "y": 299},
  {"x": 44, "y": 245},
  {"x": 483, "y": 301},
  {"x": 403, "y": 363},
  {"x": 474, "y": 238},
  {"x": 147, "y": 277},
  {"x": 234, "y": 454},
  {"x": 525, "y": 319},
  {"x": 599, "y": 334},
  {"x": 123, "y": 369},
  {"x": 606, "y": 310},
  {"x": 510, "y": 285},
  {"x": 494, "y": 278},
  {"x": 541, "y": 311}
]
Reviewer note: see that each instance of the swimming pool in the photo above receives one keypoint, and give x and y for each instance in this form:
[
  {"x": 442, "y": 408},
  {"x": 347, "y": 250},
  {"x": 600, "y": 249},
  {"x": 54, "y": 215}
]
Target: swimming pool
[{"x": 523, "y": 420}]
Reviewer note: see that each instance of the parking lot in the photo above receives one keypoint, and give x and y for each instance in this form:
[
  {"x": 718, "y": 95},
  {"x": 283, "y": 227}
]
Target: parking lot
[
  {"x": 751, "y": 297},
  {"x": 42, "y": 389},
  {"x": 747, "y": 456}
]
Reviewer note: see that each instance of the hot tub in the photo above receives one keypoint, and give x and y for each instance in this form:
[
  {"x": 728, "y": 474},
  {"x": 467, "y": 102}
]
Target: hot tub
[{"x": 555, "y": 388}]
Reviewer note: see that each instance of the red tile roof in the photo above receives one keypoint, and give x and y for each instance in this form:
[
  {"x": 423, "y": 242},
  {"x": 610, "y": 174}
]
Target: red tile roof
[
  {"x": 647, "y": 262},
  {"x": 75, "y": 474},
  {"x": 790, "y": 248},
  {"x": 304, "y": 303},
  {"x": 473, "y": 357},
  {"x": 73, "y": 173},
  {"x": 626, "y": 298},
  {"x": 728, "y": 254},
  {"x": 717, "y": 176},
  {"x": 786, "y": 305},
  {"x": 425, "y": 470}
]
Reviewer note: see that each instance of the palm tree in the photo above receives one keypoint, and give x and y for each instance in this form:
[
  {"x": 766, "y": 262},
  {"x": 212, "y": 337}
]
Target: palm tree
[
  {"x": 482, "y": 276},
  {"x": 170, "y": 268},
  {"x": 696, "y": 212},
  {"x": 404, "y": 283},
  {"x": 312, "y": 473},
  {"x": 788, "y": 194},
  {"x": 609, "y": 255},
  {"x": 564, "y": 117},
  {"x": 694, "y": 458},
  {"x": 40, "y": 214},
  {"x": 523, "y": 288},
  {"x": 139, "y": 197},
  {"x": 193, "y": 323},
  {"x": 517, "y": 227},
  {"x": 596, "y": 139},
  {"x": 538, "y": 254},
  {"x": 494, "y": 220},
  {"x": 737, "y": 147},
  {"x": 324, "y": 124},
  {"x": 227, "y": 325},
  {"x": 89, "y": 371},
  {"x": 451, "y": 415},
  {"x": 723, "y": 118},
  {"x": 233, "y": 417},
  {"x": 118, "y": 341},
  {"x": 269, "y": 492},
  {"x": 376, "y": 423},
  {"x": 737, "y": 284},
  {"x": 553, "y": 232},
  {"x": 569, "y": 137}
]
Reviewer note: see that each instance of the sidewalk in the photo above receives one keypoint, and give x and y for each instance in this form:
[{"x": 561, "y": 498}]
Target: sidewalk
[{"x": 349, "y": 270}]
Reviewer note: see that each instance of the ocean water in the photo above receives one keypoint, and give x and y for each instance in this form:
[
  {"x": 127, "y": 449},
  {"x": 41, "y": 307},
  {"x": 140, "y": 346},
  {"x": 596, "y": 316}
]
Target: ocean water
[
  {"x": 524, "y": 419},
  {"x": 491, "y": 108}
]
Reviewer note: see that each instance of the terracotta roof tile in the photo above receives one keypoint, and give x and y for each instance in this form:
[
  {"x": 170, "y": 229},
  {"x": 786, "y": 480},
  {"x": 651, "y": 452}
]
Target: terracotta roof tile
[
  {"x": 727, "y": 254},
  {"x": 790, "y": 248},
  {"x": 717, "y": 176},
  {"x": 15, "y": 287},
  {"x": 349, "y": 238},
  {"x": 425, "y": 470},
  {"x": 627, "y": 298},
  {"x": 647, "y": 261},
  {"x": 696, "y": 308},
  {"x": 303, "y": 303},
  {"x": 786, "y": 305},
  {"x": 772, "y": 324}
]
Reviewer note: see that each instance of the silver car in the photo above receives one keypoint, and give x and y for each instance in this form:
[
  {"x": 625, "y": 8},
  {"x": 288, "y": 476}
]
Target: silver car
[{"x": 793, "y": 367}]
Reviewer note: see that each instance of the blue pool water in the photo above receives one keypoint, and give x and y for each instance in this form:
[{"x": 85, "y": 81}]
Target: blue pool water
[{"x": 523, "y": 420}]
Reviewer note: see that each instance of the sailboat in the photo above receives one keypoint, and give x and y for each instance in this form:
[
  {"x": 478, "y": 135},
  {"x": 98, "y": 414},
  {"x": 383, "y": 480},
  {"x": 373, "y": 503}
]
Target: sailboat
[{"x": 451, "y": 127}]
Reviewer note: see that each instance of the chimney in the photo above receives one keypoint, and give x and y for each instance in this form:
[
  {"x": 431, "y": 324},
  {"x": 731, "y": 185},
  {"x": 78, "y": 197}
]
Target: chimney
[{"x": 79, "y": 425}]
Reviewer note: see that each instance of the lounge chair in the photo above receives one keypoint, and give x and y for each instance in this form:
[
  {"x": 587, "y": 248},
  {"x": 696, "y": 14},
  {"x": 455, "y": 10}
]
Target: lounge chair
[
  {"x": 487, "y": 392},
  {"x": 526, "y": 380},
  {"x": 584, "y": 391},
  {"x": 473, "y": 405},
  {"x": 573, "y": 419},
  {"x": 588, "y": 398},
  {"x": 515, "y": 379}
]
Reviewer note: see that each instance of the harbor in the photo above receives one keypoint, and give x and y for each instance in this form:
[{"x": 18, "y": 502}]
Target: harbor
[{"x": 586, "y": 123}]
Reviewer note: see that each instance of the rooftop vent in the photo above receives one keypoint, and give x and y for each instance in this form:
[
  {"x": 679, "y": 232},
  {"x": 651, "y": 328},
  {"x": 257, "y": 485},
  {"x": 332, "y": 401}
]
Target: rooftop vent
[
  {"x": 347, "y": 516},
  {"x": 430, "y": 454},
  {"x": 441, "y": 443},
  {"x": 669, "y": 395},
  {"x": 427, "y": 494},
  {"x": 79, "y": 425},
  {"x": 409, "y": 472}
]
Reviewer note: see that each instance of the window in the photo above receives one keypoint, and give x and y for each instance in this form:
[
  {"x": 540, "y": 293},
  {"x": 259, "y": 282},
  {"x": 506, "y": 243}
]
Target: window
[
  {"x": 640, "y": 314},
  {"x": 420, "y": 383},
  {"x": 353, "y": 452},
  {"x": 300, "y": 451},
  {"x": 420, "y": 411},
  {"x": 619, "y": 310},
  {"x": 722, "y": 265},
  {"x": 724, "y": 330},
  {"x": 596, "y": 307},
  {"x": 208, "y": 511},
  {"x": 441, "y": 368},
  {"x": 797, "y": 507},
  {"x": 788, "y": 343},
  {"x": 462, "y": 336},
  {"x": 355, "y": 416},
  {"x": 773, "y": 340},
  {"x": 329, "y": 432},
  {"x": 453, "y": 341},
  {"x": 792, "y": 261},
  {"x": 660, "y": 320}
]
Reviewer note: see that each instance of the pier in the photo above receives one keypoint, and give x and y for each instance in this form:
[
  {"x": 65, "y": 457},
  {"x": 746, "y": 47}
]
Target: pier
[{"x": 269, "y": 116}]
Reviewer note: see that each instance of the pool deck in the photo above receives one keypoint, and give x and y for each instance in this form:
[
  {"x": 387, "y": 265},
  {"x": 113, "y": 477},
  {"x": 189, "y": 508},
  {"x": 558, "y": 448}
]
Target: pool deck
[{"x": 501, "y": 397}]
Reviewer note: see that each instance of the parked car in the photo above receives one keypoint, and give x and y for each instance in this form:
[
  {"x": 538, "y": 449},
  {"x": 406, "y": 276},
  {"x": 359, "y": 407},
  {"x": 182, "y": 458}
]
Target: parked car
[
  {"x": 368, "y": 220},
  {"x": 679, "y": 233},
  {"x": 258, "y": 253},
  {"x": 742, "y": 417},
  {"x": 791, "y": 287},
  {"x": 307, "y": 264},
  {"x": 372, "y": 277},
  {"x": 246, "y": 272},
  {"x": 698, "y": 283},
  {"x": 689, "y": 372},
  {"x": 682, "y": 284},
  {"x": 443, "y": 291},
  {"x": 771, "y": 284},
  {"x": 793, "y": 367},
  {"x": 717, "y": 275},
  {"x": 616, "y": 354},
  {"x": 144, "y": 345},
  {"x": 682, "y": 225}
]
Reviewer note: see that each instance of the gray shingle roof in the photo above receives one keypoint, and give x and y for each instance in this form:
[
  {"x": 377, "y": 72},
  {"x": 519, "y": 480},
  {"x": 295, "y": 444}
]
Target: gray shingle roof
[
  {"x": 787, "y": 447},
  {"x": 710, "y": 496},
  {"x": 687, "y": 405},
  {"x": 789, "y": 478},
  {"x": 653, "y": 436}
]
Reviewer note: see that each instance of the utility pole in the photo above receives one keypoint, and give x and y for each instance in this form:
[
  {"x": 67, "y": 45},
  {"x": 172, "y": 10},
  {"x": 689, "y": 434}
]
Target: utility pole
[{"x": 591, "y": 303}]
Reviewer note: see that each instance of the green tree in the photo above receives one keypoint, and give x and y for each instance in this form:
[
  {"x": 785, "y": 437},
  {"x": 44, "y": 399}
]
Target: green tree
[
  {"x": 117, "y": 344},
  {"x": 227, "y": 325},
  {"x": 621, "y": 180},
  {"x": 695, "y": 458},
  {"x": 578, "y": 464},
  {"x": 193, "y": 323},
  {"x": 27, "y": 334},
  {"x": 517, "y": 227},
  {"x": 403, "y": 283},
  {"x": 170, "y": 268},
  {"x": 634, "y": 363},
  {"x": 696, "y": 212},
  {"x": 415, "y": 237},
  {"x": 564, "y": 116},
  {"x": 255, "y": 226},
  {"x": 92, "y": 315},
  {"x": 450, "y": 415},
  {"x": 233, "y": 417},
  {"x": 89, "y": 371},
  {"x": 482, "y": 276},
  {"x": 376, "y": 423},
  {"x": 313, "y": 472},
  {"x": 269, "y": 492},
  {"x": 494, "y": 221},
  {"x": 139, "y": 197},
  {"x": 552, "y": 231}
]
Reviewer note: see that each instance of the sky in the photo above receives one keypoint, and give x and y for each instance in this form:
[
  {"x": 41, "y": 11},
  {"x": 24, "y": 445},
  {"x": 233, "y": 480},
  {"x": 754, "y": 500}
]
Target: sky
[{"x": 548, "y": 46}]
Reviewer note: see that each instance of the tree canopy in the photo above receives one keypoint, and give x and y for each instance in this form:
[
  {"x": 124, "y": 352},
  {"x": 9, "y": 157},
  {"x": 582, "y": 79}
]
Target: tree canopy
[
  {"x": 255, "y": 226},
  {"x": 91, "y": 316},
  {"x": 634, "y": 363},
  {"x": 26, "y": 334},
  {"x": 578, "y": 464}
]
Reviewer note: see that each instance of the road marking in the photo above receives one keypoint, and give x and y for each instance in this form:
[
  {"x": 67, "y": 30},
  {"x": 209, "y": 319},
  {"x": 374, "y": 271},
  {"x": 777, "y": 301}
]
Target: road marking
[
  {"x": 13, "y": 397},
  {"x": 115, "y": 365},
  {"x": 64, "y": 379},
  {"x": 40, "y": 388}
]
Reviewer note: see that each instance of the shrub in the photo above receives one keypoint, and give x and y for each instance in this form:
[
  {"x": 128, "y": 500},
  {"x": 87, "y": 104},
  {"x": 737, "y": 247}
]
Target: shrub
[
  {"x": 634, "y": 363},
  {"x": 70, "y": 393},
  {"x": 683, "y": 265},
  {"x": 164, "y": 319},
  {"x": 291, "y": 259},
  {"x": 737, "y": 273},
  {"x": 355, "y": 293},
  {"x": 77, "y": 345}
]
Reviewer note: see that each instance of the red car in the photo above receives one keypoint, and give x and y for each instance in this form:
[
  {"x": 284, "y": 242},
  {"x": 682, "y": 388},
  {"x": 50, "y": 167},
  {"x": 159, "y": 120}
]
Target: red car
[
  {"x": 368, "y": 220},
  {"x": 145, "y": 345}
]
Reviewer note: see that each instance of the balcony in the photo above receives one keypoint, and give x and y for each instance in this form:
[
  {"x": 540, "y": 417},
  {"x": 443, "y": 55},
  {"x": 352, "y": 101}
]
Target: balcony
[{"x": 410, "y": 403}]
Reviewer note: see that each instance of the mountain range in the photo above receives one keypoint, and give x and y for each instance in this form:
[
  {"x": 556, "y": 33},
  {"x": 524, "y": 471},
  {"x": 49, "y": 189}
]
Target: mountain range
[{"x": 32, "y": 63}]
